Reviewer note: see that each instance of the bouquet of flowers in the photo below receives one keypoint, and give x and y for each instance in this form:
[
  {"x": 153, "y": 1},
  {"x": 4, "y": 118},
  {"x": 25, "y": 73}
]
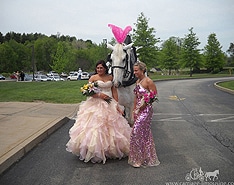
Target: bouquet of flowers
[
  {"x": 147, "y": 98},
  {"x": 150, "y": 97},
  {"x": 90, "y": 89}
]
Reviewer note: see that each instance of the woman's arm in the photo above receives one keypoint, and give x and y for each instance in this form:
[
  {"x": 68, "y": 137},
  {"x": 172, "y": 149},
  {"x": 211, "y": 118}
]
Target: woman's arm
[
  {"x": 151, "y": 85},
  {"x": 114, "y": 93}
]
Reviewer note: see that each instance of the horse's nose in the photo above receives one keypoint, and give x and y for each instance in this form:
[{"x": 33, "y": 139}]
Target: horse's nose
[{"x": 117, "y": 84}]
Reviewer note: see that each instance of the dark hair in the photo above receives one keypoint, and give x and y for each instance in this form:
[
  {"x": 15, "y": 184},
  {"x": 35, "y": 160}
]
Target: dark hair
[{"x": 103, "y": 63}]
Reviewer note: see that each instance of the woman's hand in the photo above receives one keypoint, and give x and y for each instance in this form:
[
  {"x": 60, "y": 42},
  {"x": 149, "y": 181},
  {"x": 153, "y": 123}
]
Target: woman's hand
[
  {"x": 104, "y": 97},
  {"x": 143, "y": 106},
  {"x": 119, "y": 110}
]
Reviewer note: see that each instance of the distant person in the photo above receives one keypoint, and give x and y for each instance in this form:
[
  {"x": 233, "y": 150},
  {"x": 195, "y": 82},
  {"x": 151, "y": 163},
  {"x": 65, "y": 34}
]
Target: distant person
[
  {"x": 22, "y": 75},
  {"x": 100, "y": 130},
  {"x": 79, "y": 73},
  {"x": 142, "y": 148},
  {"x": 17, "y": 76}
]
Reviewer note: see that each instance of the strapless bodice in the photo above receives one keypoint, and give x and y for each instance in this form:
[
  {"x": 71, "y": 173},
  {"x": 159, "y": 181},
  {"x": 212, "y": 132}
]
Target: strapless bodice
[{"x": 105, "y": 87}]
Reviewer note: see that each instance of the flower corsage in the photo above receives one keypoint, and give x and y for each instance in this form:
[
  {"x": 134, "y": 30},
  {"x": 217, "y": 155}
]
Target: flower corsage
[{"x": 148, "y": 98}]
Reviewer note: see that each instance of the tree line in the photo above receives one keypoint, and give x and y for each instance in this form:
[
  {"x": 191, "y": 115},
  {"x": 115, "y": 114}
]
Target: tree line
[
  {"x": 61, "y": 53},
  {"x": 45, "y": 53},
  {"x": 178, "y": 53}
]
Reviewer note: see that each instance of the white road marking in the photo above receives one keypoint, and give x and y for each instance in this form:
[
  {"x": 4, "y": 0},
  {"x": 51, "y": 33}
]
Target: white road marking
[
  {"x": 227, "y": 119},
  {"x": 209, "y": 118}
]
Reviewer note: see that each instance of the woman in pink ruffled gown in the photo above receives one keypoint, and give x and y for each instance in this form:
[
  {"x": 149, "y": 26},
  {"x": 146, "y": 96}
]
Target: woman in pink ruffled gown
[
  {"x": 142, "y": 147},
  {"x": 100, "y": 130}
]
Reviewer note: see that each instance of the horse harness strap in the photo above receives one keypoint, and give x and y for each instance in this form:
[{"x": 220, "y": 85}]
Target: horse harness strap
[
  {"x": 128, "y": 70},
  {"x": 129, "y": 82},
  {"x": 125, "y": 67}
]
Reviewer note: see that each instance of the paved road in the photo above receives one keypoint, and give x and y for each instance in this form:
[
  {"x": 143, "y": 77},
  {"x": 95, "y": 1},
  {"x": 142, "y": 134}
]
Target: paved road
[{"x": 193, "y": 128}]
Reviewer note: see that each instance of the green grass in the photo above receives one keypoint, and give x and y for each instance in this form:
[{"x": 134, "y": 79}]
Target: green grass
[
  {"x": 69, "y": 91},
  {"x": 229, "y": 84},
  {"x": 50, "y": 92},
  {"x": 158, "y": 76}
]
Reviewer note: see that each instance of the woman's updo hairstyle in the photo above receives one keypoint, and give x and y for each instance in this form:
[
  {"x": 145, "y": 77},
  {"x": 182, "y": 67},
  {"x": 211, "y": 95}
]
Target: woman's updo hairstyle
[{"x": 141, "y": 65}]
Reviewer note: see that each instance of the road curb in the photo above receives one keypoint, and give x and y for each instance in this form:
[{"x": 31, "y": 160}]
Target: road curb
[
  {"x": 223, "y": 88},
  {"x": 21, "y": 150}
]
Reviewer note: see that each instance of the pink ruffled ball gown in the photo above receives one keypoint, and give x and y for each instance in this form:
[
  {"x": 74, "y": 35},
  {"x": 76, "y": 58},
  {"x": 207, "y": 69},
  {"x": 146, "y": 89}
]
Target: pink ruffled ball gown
[{"x": 100, "y": 131}]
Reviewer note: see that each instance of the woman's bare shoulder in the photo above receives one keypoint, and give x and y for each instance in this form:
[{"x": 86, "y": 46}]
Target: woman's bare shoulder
[
  {"x": 93, "y": 78},
  {"x": 110, "y": 77},
  {"x": 149, "y": 80}
]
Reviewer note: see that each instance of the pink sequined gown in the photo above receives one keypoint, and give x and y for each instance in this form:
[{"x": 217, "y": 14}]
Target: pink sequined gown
[
  {"x": 142, "y": 147},
  {"x": 100, "y": 131}
]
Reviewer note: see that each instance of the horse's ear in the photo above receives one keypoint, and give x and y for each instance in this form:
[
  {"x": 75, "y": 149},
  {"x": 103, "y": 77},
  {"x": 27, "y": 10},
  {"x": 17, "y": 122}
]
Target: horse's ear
[
  {"x": 110, "y": 46},
  {"x": 127, "y": 46}
]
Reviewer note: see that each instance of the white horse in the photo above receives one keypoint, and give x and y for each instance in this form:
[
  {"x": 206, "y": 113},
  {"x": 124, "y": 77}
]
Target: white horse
[
  {"x": 213, "y": 174},
  {"x": 122, "y": 61}
]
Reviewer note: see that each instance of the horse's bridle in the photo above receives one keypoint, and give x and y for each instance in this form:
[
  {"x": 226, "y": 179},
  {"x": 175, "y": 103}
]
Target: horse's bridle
[
  {"x": 125, "y": 67},
  {"x": 128, "y": 73}
]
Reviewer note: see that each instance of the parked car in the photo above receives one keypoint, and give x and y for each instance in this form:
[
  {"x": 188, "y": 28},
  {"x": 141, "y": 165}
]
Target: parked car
[
  {"x": 28, "y": 77},
  {"x": 13, "y": 76},
  {"x": 42, "y": 78},
  {"x": 63, "y": 74},
  {"x": 71, "y": 73},
  {"x": 52, "y": 73},
  {"x": 85, "y": 76},
  {"x": 56, "y": 78},
  {"x": 2, "y": 77},
  {"x": 73, "y": 76}
]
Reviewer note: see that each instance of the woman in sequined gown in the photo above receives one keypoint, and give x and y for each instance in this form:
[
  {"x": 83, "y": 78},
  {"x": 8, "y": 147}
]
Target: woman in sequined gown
[
  {"x": 100, "y": 130},
  {"x": 142, "y": 148}
]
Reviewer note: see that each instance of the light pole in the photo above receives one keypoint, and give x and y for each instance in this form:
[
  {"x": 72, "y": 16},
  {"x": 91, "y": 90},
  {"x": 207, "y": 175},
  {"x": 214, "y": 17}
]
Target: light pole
[
  {"x": 105, "y": 46},
  {"x": 33, "y": 63},
  {"x": 105, "y": 41}
]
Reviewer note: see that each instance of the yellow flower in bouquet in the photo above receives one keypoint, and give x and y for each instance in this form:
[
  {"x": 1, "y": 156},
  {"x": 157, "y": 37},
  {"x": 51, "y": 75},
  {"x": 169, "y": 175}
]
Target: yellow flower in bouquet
[{"x": 90, "y": 89}]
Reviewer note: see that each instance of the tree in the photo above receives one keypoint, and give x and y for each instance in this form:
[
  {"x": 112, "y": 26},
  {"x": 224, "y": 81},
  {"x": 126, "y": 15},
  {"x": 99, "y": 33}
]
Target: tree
[
  {"x": 230, "y": 51},
  {"x": 45, "y": 49},
  {"x": 214, "y": 57},
  {"x": 60, "y": 60},
  {"x": 144, "y": 38},
  {"x": 170, "y": 54},
  {"x": 190, "y": 53},
  {"x": 1, "y": 38},
  {"x": 8, "y": 58},
  {"x": 21, "y": 55}
]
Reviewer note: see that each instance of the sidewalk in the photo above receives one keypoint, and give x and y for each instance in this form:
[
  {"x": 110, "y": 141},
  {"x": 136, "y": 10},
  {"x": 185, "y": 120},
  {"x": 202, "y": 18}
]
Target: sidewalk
[{"x": 24, "y": 125}]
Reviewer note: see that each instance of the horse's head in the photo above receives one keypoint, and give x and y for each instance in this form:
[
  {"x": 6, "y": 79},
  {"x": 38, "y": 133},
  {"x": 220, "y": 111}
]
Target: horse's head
[{"x": 119, "y": 62}]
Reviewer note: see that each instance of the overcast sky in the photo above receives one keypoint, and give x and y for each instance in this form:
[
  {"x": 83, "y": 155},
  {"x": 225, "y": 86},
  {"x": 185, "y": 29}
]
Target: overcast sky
[{"x": 88, "y": 19}]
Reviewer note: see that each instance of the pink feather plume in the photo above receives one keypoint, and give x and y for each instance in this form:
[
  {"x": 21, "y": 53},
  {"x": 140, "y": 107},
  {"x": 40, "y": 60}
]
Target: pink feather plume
[{"x": 120, "y": 34}]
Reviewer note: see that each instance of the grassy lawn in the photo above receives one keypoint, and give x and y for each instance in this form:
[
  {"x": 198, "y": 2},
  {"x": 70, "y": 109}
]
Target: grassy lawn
[
  {"x": 156, "y": 76},
  {"x": 69, "y": 91},
  {"x": 50, "y": 92},
  {"x": 229, "y": 84}
]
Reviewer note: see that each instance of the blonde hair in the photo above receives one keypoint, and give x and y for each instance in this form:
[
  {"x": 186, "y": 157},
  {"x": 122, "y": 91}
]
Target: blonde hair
[{"x": 141, "y": 65}]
